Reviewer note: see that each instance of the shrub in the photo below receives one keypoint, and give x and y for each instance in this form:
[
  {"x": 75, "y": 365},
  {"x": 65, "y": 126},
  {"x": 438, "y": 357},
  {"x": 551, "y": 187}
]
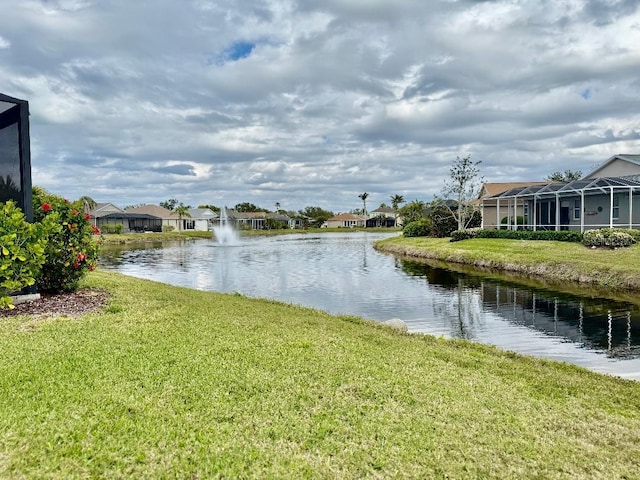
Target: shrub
[
  {"x": 464, "y": 234},
  {"x": 112, "y": 228},
  {"x": 609, "y": 237},
  {"x": 420, "y": 228},
  {"x": 168, "y": 228},
  {"x": 556, "y": 235},
  {"x": 443, "y": 222},
  {"x": 22, "y": 247},
  {"x": 71, "y": 250}
]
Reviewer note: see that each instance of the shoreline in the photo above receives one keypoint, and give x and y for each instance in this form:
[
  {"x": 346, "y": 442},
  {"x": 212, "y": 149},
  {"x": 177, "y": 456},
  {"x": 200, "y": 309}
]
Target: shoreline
[{"x": 568, "y": 273}]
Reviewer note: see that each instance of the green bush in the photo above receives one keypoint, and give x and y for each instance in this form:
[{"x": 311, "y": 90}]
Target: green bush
[
  {"x": 168, "y": 228},
  {"x": 556, "y": 235},
  {"x": 71, "y": 250},
  {"x": 519, "y": 220},
  {"x": 420, "y": 228},
  {"x": 610, "y": 238},
  {"x": 115, "y": 228},
  {"x": 443, "y": 222},
  {"x": 464, "y": 234},
  {"x": 22, "y": 247}
]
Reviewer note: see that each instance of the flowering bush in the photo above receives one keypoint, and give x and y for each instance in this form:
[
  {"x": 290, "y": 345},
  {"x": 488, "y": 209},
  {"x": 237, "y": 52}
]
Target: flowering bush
[
  {"x": 71, "y": 250},
  {"x": 608, "y": 237},
  {"x": 22, "y": 247}
]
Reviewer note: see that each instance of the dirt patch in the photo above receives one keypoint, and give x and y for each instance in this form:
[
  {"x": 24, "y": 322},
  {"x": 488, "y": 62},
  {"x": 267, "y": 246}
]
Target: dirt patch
[{"x": 71, "y": 304}]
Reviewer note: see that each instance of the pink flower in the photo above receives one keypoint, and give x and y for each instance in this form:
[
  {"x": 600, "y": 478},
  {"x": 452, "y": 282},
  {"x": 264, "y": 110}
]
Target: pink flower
[
  {"x": 96, "y": 230},
  {"x": 87, "y": 217},
  {"x": 46, "y": 207}
]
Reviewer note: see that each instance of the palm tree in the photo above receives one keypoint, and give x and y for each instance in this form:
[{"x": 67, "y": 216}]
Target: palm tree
[
  {"x": 182, "y": 210},
  {"x": 396, "y": 200},
  {"x": 88, "y": 203},
  {"x": 363, "y": 197}
]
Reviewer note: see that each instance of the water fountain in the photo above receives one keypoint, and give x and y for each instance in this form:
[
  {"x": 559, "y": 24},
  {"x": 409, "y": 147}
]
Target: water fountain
[{"x": 224, "y": 233}]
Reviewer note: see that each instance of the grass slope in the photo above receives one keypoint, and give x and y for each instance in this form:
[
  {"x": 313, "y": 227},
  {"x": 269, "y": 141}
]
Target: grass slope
[
  {"x": 557, "y": 261},
  {"x": 170, "y": 382}
]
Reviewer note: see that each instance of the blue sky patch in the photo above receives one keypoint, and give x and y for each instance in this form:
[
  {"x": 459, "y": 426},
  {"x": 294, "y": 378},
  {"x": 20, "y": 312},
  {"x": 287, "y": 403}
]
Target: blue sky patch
[
  {"x": 586, "y": 93},
  {"x": 236, "y": 51}
]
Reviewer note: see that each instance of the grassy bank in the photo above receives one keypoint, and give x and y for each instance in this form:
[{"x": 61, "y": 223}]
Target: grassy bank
[
  {"x": 150, "y": 237},
  {"x": 170, "y": 382},
  {"x": 560, "y": 262}
]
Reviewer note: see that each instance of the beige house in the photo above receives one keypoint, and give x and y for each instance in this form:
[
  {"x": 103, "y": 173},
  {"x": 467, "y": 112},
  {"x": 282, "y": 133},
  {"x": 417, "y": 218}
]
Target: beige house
[
  {"x": 345, "y": 220},
  {"x": 609, "y": 196},
  {"x": 168, "y": 217},
  {"x": 490, "y": 215}
]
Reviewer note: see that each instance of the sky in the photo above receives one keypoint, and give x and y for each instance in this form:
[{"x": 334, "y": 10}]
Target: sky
[{"x": 312, "y": 103}]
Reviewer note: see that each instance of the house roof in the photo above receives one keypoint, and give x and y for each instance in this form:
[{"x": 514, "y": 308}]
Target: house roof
[
  {"x": 594, "y": 185},
  {"x": 345, "y": 216},
  {"x": 202, "y": 213},
  {"x": 635, "y": 159},
  {"x": 382, "y": 210},
  {"x": 155, "y": 210},
  {"x": 492, "y": 189},
  {"x": 102, "y": 209}
]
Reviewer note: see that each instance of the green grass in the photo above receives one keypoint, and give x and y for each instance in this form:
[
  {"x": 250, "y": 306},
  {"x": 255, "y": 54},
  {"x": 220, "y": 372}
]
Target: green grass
[
  {"x": 168, "y": 382},
  {"x": 560, "y": 262}
]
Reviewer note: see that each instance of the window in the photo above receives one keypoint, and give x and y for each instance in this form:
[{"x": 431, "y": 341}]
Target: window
[
  {"x": 616, "y": 207},
  {"x": 577, "y": 209}
]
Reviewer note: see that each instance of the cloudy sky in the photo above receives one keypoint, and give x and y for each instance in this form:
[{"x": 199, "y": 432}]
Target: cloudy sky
[{"x": 307, "y": 102}]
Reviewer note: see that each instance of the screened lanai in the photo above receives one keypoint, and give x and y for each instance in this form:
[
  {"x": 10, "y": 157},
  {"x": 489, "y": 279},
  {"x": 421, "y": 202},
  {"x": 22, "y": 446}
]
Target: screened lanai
[{"x": 578, "y": 205}]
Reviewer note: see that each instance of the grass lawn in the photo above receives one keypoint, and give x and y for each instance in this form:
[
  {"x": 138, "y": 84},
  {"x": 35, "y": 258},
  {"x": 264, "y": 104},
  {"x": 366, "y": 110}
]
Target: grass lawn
[
  {"x": 168, "y": 382},
  {"x": 560, "y": 262}
]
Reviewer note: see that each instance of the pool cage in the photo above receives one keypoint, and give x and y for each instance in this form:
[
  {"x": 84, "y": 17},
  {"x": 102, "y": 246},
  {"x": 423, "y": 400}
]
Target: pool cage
[
  {"x": 578, "y": 205},
  {"x": 15, "y": 154}
]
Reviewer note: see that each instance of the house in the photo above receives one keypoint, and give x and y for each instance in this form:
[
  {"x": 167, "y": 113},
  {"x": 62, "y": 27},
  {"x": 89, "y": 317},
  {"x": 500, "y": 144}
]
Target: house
[
  {"x": 170, "y": 220},
  {"x": 491, "y": 218},
  {"x": 199, "y": 219},
  {"x": 382, "y": 217},
  {"x": 595, "y": 201},
  {"x": 104, "y": 215},
  {"x": 258, "y": 220},
  {"x": 345, "y": 220}
]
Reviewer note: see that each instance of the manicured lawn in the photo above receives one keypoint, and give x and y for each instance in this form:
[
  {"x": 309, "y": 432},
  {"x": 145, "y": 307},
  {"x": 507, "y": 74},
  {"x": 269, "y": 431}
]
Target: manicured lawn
[
  {"x": 173, "y": 383},
  {"x": 559, "y": 261}
]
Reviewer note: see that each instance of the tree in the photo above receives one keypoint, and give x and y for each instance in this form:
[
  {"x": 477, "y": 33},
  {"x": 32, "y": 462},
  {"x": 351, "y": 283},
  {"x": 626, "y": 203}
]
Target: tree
[
  {"x": 396, "y": 200},
  {"x": 413, "y": 211},
  {"x": 169, "y": 204},
  {"x": 213, "y": 208},
  {"x": 363, "y": 197},
  {"x": 88, "y": 203},
  {"x": 182, "y": 210},
  {"x": 566, "y": 176},
  {"x": 463, "y": 186},
  {"x": 316, "y": 216},
  {"x": 248, "y": 207}
]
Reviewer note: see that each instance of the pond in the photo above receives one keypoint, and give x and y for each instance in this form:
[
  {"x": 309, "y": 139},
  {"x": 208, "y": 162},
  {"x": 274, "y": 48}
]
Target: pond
[{"x": 341, "y": 273}]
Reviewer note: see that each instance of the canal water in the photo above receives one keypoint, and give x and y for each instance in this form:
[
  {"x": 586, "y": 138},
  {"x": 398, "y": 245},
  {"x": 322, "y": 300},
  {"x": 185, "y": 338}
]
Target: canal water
[{"x": 342, "y": 274}]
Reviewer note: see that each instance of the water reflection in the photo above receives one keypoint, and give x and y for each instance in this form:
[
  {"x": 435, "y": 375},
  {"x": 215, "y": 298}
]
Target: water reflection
[
  {"x": 595, "y": 323},
  {"x": 343, "y": 274}
]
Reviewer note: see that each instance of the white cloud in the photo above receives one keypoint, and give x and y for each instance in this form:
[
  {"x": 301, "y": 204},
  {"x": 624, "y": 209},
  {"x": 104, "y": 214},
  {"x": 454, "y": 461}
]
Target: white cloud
[{"x": 335, "y": 97}]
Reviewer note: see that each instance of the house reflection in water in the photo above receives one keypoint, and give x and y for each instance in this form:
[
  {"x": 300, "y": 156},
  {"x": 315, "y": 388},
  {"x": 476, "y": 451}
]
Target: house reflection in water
[{"x": 594, "y": 323}]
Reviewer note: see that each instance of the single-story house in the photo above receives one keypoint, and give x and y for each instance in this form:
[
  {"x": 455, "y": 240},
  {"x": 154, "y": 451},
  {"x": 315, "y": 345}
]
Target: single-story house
[
  {"x": 609, "y": 196},
  {"x": 199, "y": 219},
  {"x": 109, "y": 214},
  {"x": 345, "y": 220},
  {"x": 256, "y": 220},
  {"x": 169, "y": 219},
  {"x": 489, "y": 204}
]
